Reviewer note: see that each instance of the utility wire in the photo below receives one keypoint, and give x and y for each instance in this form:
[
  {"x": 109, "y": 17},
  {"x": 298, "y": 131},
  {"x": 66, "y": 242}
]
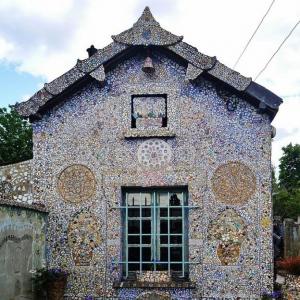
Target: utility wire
[
  {"x": 253, "y": 34},
  {"x": 291, "y": 96},
  {"x": 285, "y": 39}
]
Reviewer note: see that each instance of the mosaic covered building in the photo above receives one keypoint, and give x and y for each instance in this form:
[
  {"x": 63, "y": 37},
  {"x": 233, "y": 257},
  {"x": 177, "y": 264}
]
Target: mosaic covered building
[{"x": 154, "y": 163}]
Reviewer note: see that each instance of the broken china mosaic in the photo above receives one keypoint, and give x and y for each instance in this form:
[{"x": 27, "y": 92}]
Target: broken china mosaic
[{"x": 82, "y": 160}]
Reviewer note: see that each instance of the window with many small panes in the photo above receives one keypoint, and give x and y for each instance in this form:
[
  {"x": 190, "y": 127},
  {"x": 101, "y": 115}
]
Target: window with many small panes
[{"x": 155, "y": 230}]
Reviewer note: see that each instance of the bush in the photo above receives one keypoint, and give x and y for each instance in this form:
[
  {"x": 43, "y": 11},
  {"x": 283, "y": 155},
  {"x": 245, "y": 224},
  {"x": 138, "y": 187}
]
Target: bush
[{"x": 290, "y": 264}]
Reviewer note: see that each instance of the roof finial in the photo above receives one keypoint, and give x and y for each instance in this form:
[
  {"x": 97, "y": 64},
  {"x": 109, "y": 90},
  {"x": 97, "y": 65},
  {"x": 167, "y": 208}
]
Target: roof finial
[
  {"x": 91, "y": 51},
  {"x": 147, "y": 16},
  {"x": 147, "y": 31}
]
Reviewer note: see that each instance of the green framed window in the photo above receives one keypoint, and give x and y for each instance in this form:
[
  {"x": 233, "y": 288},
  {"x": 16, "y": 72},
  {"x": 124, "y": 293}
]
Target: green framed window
[{"x": 155, "y": 230}]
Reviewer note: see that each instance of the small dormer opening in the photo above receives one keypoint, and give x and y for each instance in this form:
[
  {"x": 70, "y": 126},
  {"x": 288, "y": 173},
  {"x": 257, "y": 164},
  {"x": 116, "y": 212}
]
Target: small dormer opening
[{"x": 149, "y": 111}]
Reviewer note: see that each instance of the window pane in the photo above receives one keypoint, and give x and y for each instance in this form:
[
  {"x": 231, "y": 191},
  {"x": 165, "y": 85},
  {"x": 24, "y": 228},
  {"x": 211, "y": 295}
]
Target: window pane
[
  {"x": 162, "y": 267},
  {"x": 133, "y": 267},
  {"x": 175, "y": 226},
  {"x": 163, "y": 199},
  {"x": 146, "y": 226},
  {"x": 133, "y": 254},
  {"x": 163, "y": 212},
  {"x": 164, "y": 254},
  {"x": 133, "y": 212},
  {"x": 133, "y": 226},
  {"x": 146, "y": 212},
  {"x": 147, "y": 267},
  {"x": 136, "y": 199},
  {"x": 175, "y": 212},
  {"x": 133, "y": 239},
  {"x": 163, "y": 226},
  {"x": 146, "y": 254},
  {"x": 164, "y": 239},
  {"x": 175, "y": 200},
  {"x": 133, "y": 198},
  {"x": 146, "y": 239},
  {"x": 176, "y": 267},
  {"x": 176, "y": 253},
  {"x": 175, "y": 239}
]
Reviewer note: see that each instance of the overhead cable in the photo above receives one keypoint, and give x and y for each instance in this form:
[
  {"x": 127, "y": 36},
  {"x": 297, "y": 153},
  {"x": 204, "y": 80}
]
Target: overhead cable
[
  {"x": 252, "y": 36},
  {"x": 285, "y": 39}
]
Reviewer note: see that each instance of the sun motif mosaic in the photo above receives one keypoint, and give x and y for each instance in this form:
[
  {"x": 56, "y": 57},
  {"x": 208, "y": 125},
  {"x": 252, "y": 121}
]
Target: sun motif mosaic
[
  {"x": 76, "y": 183},
  {"x": 83, "y": 237},
  {"x": 229, "y": 230},
  {"x": 233, "y": 183},
  {"x": 154, "y": 153}
]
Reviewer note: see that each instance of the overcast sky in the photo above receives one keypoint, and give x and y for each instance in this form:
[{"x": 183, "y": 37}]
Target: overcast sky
[{"x": 41, "y": 39}]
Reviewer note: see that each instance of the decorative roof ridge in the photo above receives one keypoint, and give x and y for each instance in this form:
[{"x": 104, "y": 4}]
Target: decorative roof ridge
[
  {"x": 147, "y": 31},
  {"x": 198, "y": 63}
]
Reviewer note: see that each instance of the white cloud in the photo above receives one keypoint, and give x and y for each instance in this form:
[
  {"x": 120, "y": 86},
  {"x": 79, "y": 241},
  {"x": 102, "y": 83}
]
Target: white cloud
[
  {"x": 288, "y": 127},
  {"x": 45, "y": 38},
  {"x": 5, "y": 47}
]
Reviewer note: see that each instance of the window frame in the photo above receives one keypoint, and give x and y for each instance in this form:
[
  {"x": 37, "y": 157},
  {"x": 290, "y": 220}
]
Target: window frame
[
  {"x": 164, "y": 119},
  {"x": 155, "y": 218}
]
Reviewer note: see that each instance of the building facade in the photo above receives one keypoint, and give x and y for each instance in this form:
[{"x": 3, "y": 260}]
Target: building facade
[{"x": 154, "y": 163}]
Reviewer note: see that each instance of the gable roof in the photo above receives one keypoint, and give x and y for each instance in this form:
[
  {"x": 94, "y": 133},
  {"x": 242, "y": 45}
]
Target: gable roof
[{"x": 147, "y": 32}]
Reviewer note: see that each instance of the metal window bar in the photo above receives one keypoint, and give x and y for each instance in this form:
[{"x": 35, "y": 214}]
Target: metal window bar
[
  {"x": 169, "y": 248},
  {"x": 141, "y": 231},
  {"x": 155, "y": 231},
  {"x": 183, "y": 217},
  {"x": 126, "y": 232}
]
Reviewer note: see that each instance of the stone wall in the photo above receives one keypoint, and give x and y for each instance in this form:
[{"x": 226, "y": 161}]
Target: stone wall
[
  {"x": 85, "y": 152},
  {"x": 291, "y": 238},
  {"x": 22, "y": 250}
]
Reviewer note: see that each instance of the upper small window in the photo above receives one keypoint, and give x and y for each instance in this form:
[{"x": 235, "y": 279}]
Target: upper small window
[{"x": 149, "y": 111}]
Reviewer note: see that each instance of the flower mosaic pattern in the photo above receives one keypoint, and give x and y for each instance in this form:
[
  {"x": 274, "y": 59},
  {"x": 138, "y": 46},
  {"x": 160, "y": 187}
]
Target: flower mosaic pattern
[
  {"x": 76, "y": 183},
  {"x": 229, "y": 230},
  {"x": 233, "y": 183},
  {"x": 83, "y": 237},
  {"x": 154, "y": 153}
]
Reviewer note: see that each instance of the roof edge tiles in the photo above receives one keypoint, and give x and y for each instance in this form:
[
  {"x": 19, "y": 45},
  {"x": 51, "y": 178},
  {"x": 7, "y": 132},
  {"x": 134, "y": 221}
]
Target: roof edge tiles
[{"x": 147, "y": 32}]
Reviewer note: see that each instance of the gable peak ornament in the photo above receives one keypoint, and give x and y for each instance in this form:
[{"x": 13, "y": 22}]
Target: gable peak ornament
[{"x": 147, "y": 31}]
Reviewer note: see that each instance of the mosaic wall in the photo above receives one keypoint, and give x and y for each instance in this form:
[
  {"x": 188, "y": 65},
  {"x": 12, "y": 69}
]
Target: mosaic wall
[
  {"x": 82, "y": 158},
  {"x": 16, "y": 182},
  {"x": 22, "y": 250}
]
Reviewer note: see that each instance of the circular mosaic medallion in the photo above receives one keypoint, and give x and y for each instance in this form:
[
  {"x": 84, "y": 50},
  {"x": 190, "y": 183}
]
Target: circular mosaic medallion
[
  {"x": 233, "y": 183},
  {"x": 76, "y": 183},
  {"x": 154, "y": 153}
]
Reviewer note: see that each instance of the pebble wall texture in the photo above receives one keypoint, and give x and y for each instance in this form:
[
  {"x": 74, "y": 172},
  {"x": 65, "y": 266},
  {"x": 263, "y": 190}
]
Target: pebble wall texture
[
  {"x": 16, "y": 183},
  {"x": 85, "y": 151}
]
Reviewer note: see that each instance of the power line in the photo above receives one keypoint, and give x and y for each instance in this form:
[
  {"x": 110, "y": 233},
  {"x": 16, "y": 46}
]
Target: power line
[
  {"x": 291, "y": 96},
  {"x": 285, "y": 39},
  {"x": 252, "y": 36}
]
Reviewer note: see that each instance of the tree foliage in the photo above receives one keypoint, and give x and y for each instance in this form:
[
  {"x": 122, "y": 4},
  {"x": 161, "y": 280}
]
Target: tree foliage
[
  {"x": 289, "y": 167},
  {"x": 15, "y": 137},
  {"x": 286, "y": 193}
]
